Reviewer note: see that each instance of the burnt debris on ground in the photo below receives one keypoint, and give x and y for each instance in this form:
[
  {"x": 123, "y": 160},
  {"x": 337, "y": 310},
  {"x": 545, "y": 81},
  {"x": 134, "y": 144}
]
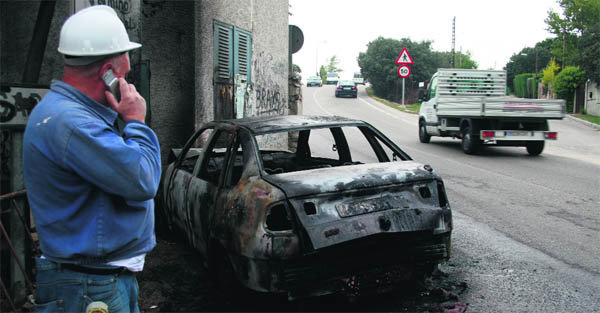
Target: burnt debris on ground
[{"x": 174, "y": 280}]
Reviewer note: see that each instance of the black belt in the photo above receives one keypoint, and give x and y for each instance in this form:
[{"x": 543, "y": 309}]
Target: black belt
[{"x": 95, "y": 271}]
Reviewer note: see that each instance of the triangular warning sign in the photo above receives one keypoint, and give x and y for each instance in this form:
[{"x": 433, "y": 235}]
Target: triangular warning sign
[{"x": 404, "y": 58}]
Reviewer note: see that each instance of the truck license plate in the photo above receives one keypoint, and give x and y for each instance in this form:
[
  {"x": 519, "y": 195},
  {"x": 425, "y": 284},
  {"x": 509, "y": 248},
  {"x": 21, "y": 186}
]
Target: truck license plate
[{"x": 517, "y": 133}]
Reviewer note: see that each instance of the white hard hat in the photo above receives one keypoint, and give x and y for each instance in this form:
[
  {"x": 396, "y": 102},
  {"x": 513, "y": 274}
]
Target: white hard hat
[{"x": 94, "y": 31}]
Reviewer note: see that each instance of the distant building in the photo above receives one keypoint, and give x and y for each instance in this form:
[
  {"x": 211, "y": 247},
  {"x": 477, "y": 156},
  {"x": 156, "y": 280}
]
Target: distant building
[{"x": 592, "y": 102}]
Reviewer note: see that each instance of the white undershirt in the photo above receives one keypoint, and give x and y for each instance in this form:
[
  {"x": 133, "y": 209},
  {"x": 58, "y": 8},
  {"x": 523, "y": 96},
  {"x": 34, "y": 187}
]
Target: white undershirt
[{"x": 134, "y": 264}]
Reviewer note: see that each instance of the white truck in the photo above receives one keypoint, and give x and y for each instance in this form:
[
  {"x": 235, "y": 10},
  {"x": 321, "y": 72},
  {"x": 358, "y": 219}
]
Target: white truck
[{"x": 472, "y": 105}]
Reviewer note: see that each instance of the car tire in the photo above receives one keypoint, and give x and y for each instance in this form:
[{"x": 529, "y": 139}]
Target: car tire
[
  {"x": 535, "y": 147},
  {"x": 470, "y": 143},
  {"x": 423, "y": 135}
]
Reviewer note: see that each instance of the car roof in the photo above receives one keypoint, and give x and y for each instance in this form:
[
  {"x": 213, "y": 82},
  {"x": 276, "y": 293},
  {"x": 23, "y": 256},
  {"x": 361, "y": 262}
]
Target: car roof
[{"x": 268, "y": 124}]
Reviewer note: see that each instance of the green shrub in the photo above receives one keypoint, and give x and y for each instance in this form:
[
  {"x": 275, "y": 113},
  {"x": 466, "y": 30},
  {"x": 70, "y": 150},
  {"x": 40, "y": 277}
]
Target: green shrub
[
  {"x": 566, "y": 82},
  {"x": 520, "y": 83}
]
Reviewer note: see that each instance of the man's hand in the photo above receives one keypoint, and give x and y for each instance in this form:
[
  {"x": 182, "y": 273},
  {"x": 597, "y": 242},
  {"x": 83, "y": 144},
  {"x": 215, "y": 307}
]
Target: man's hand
[{"x": 132, "y": 105}]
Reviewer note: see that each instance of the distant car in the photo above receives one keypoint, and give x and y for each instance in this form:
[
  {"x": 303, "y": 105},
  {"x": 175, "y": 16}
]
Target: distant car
[
  {"x": 346, "y": 88},
  {"x": 358, "y": 79},
  {"x": 304, "y": 205},
  {"x": 332, "y": 78},
  {"x": 314, "y": 81}
]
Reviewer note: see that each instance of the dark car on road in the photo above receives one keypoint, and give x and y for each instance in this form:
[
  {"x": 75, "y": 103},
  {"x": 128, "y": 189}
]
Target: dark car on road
[
  {"x": 346, "y": 88},
  {"x": 304, "y": 205},
  {"x": 314, "y": 81}
]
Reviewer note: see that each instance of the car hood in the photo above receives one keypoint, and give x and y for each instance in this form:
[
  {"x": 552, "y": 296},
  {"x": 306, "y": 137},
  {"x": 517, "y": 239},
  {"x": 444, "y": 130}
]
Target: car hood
[{"x": 351, "y": 177}]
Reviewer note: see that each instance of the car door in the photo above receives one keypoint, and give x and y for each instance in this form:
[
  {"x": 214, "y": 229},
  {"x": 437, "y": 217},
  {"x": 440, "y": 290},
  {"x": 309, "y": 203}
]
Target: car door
[
  {"x": 204, "y": 187},
  {"x": 430, "y": 106},
  {"x": 180, "y": 176}
]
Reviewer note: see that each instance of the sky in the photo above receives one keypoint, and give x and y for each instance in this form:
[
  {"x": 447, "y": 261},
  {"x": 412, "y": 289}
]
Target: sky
[{"x": 491, "y": 30}]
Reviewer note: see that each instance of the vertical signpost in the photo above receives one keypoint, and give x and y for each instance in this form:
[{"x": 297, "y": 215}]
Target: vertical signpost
[{"x": 404, "y": 70}]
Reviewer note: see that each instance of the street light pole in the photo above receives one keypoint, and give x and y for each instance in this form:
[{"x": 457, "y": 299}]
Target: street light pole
[{"x": 317, "y": 57}]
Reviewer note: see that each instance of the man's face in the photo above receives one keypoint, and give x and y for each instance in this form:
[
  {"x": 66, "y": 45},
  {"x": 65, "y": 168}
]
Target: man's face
[{"x": 122, "y": 65}]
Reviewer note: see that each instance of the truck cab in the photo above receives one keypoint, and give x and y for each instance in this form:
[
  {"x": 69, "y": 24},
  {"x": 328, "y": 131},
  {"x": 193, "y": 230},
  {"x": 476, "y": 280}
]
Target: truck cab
[
  {"x": 358, "y": 79},
  {"x": 332, "y": 78}
]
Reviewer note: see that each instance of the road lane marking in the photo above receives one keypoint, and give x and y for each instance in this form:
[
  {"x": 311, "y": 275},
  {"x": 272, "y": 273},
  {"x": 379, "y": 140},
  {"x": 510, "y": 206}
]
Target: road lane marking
[
  {"x": 318, "y": 104},
  {"x": 387, "y": 113}
]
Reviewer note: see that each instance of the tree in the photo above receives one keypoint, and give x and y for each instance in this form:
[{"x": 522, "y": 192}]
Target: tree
[
  {"x": 333, "y": 64},
  {"x": 378, "y": 66},
  {"x": 589, "y": 48},
  {"x": 566, "y": 82},
  {"x": 461, "y": 60},
  {"x": 549, "y": 73},
  {"x": 323, "y": 74},
  {"x": 525, "y": 60},
  {"x": 296, "y": 68},
  {"x": 579, "y": 18}
]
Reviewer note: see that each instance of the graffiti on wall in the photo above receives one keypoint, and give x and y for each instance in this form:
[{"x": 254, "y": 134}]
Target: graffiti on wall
[
  {"x": 125, "y": 9},
  {"x": 16, "y": 104},
  {"x": 269, "y": 100},
  {"x": 151, "y": 7},
  {"x": 270, "y": 74}
]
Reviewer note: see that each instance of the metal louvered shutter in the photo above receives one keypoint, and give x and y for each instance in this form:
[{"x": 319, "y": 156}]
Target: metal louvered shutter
[
  {"x": 243, "y": 52},
  {"x": 223, "y": 52}
]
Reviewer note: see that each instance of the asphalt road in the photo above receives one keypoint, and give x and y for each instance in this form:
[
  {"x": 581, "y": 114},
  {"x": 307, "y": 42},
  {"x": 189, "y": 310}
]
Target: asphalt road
[{"x": 527, "y": 229}]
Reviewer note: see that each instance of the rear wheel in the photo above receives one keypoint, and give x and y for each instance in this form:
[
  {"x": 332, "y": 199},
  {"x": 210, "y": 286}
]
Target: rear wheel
[
  {"x": 423, "y": 136},
  {"x": 470, "y": 143},
  {"x": 535, "y": 147}
]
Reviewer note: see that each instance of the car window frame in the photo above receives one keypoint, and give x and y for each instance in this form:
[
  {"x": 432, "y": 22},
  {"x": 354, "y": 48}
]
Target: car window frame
[
  {"x": 208, "y": 151},
  {"x": 188, "y": 146}
]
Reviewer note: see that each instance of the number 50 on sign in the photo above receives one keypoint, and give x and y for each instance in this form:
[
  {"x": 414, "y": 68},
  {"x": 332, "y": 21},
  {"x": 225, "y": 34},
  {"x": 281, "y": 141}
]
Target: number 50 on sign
[{"x": 404, "y": 71}]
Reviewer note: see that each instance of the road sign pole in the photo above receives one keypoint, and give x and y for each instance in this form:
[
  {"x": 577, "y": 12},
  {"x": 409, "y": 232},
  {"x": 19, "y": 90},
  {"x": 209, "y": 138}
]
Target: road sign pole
[{"x": 403, "y": 91}]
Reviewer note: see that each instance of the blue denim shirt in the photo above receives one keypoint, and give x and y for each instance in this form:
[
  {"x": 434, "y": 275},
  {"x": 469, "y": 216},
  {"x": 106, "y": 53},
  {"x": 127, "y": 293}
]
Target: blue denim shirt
[{"x": 90, "y": 188}]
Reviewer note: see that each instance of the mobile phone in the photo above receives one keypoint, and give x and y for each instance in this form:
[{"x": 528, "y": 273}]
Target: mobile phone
[{"x": 112, "y": 83}]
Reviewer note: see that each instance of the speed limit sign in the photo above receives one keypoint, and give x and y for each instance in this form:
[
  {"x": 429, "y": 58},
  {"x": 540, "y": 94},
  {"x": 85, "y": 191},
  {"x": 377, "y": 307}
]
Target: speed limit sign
[{"x": 404, "y": 71}]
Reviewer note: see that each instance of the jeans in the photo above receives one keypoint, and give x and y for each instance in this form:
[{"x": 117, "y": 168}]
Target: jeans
[{"x": 60, "y": 290}]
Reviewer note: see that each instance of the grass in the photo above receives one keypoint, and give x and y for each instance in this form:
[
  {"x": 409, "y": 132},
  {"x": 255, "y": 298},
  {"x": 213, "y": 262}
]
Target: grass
[
  {"x": 409, "y": 108},
  {"x": 590, "y": 118}
]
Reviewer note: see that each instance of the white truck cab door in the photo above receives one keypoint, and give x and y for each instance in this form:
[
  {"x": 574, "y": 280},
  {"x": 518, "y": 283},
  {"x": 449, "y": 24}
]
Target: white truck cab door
[{"x": 429, "y": 107}]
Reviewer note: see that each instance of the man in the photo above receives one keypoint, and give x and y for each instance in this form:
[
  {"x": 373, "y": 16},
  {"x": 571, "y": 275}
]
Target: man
[{"x": 89, "y": 185}]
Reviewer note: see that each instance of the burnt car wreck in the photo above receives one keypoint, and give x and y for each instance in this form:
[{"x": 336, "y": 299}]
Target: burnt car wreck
[{"x": 305, "y": 205}]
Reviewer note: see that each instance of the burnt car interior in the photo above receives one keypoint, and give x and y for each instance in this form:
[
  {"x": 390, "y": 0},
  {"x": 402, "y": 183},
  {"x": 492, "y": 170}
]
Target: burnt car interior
[
  {"x": 328, "y": 147},
  {"x": 307, "y": 149}
]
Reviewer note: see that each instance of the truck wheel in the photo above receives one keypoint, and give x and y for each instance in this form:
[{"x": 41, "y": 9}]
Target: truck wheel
[
  {"x": 423, "y": 136},
  {"x": 535, "y": 147},
  {"x": 470, "y": 143}
]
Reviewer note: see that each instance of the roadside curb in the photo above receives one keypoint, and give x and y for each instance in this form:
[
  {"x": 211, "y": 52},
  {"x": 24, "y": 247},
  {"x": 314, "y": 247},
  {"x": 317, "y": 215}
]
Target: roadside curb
[
  {"x": 393, "y": 105},
  {"x": 584, "y": 122}
]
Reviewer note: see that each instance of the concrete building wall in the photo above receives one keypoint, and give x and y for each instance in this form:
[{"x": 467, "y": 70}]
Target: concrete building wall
[
  {"x": 267, "y": 20},
  {"x": 17, "y": 20},
  {"x": 168, "y": 39},
  {"x": 592, "y": 98},
  {"x": 270, "y": 58}
]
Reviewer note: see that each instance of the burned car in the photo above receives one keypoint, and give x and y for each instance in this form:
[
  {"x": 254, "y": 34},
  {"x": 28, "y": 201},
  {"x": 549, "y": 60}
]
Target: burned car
[{"x": 304, "y": 205}]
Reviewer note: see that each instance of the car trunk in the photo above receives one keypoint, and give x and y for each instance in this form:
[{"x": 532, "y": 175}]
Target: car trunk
[
  {"x": 344, "y": 203},
  {"x": 371, "y": 220}
]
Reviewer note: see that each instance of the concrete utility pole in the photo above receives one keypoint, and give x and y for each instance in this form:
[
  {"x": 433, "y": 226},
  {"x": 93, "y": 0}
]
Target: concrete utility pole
[{"x": 453, "y": 41}]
